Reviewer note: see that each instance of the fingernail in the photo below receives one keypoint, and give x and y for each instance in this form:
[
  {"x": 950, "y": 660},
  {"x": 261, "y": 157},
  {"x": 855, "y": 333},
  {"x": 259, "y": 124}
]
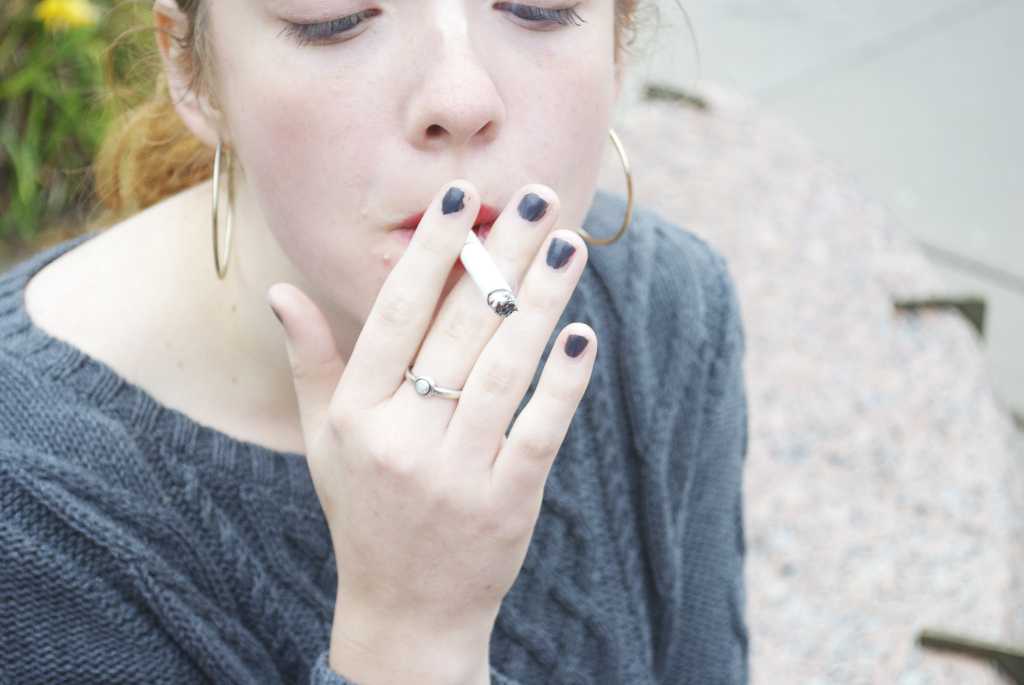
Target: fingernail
[
  {"x": 532, "y": 207},
  {"x": 559, "y": 252},
  {"x": 453, "y": 200},
  {"x": 575, "y": 344}
]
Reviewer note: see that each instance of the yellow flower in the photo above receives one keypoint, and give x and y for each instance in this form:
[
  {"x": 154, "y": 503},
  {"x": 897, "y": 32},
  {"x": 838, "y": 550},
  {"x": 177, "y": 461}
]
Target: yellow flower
[{"x": 62, "y": 14}]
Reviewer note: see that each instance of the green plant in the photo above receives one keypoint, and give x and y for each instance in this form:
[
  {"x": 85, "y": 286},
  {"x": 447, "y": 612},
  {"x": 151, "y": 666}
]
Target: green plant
[{"x": 54, "y": 108}]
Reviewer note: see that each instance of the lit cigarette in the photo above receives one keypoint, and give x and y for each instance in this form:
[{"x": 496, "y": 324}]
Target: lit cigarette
[{"x": 485, "y": 273}]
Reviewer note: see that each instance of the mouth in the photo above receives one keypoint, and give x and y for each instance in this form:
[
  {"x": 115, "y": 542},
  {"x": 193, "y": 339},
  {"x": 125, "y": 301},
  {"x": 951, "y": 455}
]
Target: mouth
[
  {"x": 485, "y": 218},
  {"x": 481, "y": 231}
]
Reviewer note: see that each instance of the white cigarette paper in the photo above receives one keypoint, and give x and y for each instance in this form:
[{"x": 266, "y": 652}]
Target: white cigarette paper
[{"x": 485, "y": 273}]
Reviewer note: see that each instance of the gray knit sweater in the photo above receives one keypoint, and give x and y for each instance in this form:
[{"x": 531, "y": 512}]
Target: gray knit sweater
[{"x": 138, "y": 545}]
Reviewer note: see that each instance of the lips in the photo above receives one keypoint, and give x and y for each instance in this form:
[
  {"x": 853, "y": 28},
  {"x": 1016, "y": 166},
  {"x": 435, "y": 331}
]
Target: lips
[{"x": 485, "y": 217}]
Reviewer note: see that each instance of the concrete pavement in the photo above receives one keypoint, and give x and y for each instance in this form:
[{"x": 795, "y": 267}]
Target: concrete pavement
[{"x": 920, "y": 100}]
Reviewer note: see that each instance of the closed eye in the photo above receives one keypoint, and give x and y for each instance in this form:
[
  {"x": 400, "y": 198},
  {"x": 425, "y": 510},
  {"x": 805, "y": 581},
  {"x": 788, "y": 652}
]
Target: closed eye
[
  {"x": 323, "y": 32},
  {"x": 565, "y": 15}
]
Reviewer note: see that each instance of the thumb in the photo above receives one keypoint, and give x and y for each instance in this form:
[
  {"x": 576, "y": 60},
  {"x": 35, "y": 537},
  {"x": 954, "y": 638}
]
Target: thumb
[{"x": 315, "y": 362}]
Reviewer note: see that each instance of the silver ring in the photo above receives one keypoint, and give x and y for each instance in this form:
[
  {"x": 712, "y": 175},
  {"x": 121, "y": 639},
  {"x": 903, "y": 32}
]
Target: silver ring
[{"x": 424, "y": 385}]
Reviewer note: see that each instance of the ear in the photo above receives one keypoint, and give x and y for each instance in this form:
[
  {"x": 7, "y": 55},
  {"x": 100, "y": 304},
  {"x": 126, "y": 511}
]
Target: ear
[{"x": 194, "y": 109}]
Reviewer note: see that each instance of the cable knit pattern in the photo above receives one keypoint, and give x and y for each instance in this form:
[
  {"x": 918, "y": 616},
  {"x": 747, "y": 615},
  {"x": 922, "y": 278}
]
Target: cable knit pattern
[{"x": 138, "y": 545}]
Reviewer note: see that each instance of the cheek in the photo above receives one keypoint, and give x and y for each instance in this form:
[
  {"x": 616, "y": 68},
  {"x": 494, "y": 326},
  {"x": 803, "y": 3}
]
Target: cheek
[
  {"x": 302, "y": 143},
  {"x": 296, "y": 143},
  {"x": 298, "y": 130},
  {"x": 561, "y": 97},
  {"x": 570, "y": 133}
]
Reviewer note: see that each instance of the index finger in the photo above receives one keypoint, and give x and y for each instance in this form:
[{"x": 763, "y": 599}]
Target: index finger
[{"x": 405, "y": 305}]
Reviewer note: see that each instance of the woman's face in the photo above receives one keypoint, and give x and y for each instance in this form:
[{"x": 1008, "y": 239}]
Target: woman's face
[{"x": 343, "y": 136}]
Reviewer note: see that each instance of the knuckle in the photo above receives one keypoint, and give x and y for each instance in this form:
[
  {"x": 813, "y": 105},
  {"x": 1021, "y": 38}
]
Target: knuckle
[
  {"x": 375, "y": 452},
  {"x": 499, "y": 378},
  {"x": 567, "y": 391},
  {"x": 437, "y": 244},
  {"x": 536, "y": 448},
  {"x": 457, "y": 324},
  {"x": 312, "y": 369},
  {"x": 397, "y": 310},
  {"x": 300, "y": 370},
  {"x": 390, "y": 463},
  {"x": 339, "y": 421},
  {"x": 505, "y": 527},
  {"x": 551, "y": 301}
]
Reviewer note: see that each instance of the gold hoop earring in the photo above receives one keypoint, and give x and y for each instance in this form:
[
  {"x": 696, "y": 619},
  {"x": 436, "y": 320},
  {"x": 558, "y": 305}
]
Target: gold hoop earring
[
  {"x": 222, "y": 270},
  {"x": 629, "y": 199}
]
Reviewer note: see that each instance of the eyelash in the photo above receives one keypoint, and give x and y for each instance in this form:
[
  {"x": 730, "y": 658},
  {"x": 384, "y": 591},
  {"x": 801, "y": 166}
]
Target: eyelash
[{"x": 318, "y": 33}]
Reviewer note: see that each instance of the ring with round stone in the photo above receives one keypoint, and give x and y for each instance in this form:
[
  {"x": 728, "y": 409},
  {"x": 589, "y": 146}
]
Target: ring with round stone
[{"x": 424, "y": 385}]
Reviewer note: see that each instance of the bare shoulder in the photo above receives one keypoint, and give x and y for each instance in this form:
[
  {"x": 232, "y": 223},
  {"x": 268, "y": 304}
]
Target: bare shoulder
[
  {"x": 63, "y": 297},
  {"x": 129, "y": 297},
  {"x": 95, "y": 296}
]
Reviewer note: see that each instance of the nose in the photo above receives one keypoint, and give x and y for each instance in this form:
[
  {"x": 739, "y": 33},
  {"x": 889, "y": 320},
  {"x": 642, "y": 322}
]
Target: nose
[{"x": 455, "y": 103}]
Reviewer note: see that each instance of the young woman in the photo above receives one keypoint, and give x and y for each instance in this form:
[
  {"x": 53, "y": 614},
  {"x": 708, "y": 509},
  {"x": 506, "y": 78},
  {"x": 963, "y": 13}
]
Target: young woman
[{"x": 386, "y": 482}]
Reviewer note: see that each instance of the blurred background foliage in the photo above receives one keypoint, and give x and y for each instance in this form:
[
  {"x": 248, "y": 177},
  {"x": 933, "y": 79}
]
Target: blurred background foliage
[{"x": 67, "y": 67}]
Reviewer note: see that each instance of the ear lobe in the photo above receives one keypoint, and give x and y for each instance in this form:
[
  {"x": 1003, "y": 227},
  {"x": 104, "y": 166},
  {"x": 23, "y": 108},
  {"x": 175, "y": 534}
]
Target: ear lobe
[{"x": 193, "y": 108}]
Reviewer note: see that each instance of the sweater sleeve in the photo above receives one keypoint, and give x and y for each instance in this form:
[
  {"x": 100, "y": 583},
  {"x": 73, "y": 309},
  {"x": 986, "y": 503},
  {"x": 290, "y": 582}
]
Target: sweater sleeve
[
  {"x": 712, "y": 637},
  {"x": 323, "y": 675},
  {"x": 698, "y": 620}
]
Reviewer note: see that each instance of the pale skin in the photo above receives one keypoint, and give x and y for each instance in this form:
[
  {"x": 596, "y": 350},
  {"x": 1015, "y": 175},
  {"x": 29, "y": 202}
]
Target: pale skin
[{"x": 430, "y": 507}]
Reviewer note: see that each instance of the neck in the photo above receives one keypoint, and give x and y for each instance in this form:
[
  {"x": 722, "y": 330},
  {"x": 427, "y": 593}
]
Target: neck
[{"x": 226, "y": 331}]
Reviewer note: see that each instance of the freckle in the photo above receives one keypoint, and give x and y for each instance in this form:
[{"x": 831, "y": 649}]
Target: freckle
[
  {"x": 234, "y": 380},
  {"x": 234, "y": 308}
]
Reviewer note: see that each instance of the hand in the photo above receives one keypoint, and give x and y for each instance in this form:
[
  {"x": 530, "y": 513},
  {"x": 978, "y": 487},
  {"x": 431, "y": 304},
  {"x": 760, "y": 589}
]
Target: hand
[{"x": 430, "y": 508}]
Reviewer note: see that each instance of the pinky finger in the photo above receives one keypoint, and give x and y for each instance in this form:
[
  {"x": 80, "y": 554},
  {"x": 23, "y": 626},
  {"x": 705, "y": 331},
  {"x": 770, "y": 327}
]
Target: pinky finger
[{"x": 523, "y": 464}]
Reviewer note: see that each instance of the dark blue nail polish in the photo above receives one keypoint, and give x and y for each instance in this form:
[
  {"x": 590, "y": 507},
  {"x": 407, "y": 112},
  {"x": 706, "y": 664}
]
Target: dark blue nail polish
[
  {"x": 575, "y": 344},
  {"x": 559, "y": 252},
  {"x": 452, "y": 201},
  {"x": 532, "y": 207}
]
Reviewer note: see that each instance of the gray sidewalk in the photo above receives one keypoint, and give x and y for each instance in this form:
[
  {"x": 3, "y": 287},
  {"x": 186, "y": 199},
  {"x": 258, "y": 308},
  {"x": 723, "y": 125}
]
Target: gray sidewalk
[
  {"x": 920, "y": 100},
  {"x": 882, "y": 495},
  {"x": 884, "y": 490}
]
